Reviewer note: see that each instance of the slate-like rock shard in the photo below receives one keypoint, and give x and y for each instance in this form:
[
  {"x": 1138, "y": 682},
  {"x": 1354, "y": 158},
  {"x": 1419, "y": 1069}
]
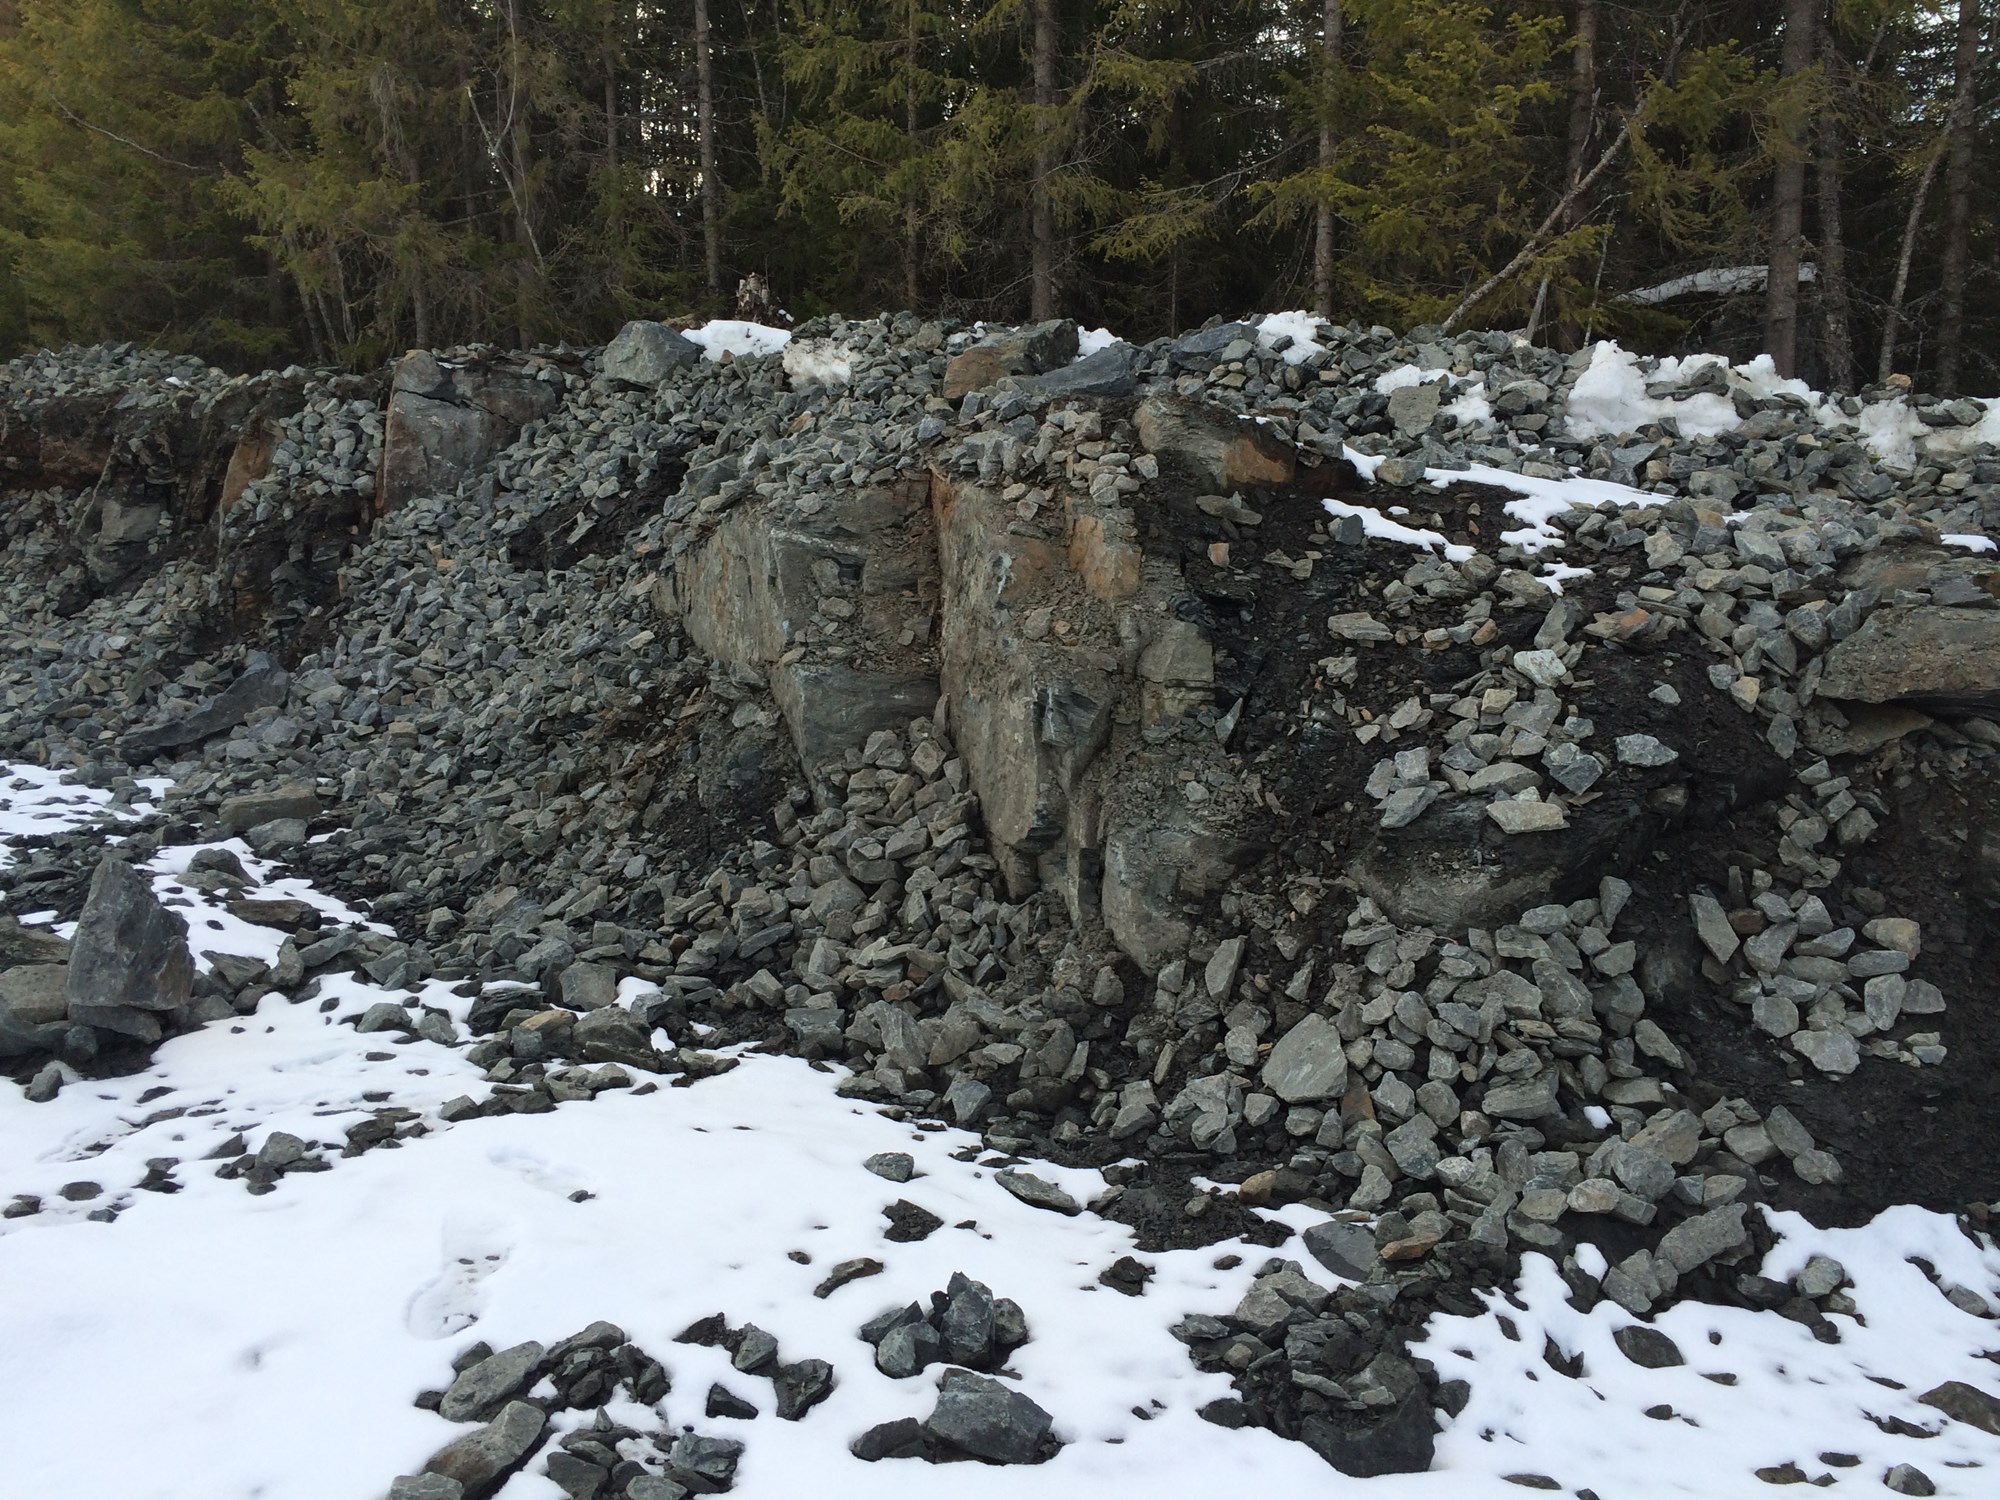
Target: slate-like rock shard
[{"x": 129, "y": 967}]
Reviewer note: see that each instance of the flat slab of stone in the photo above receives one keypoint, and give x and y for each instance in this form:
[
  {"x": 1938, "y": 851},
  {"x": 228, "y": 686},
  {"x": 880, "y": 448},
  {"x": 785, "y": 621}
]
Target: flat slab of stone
[
  {"x": 1037, "y": 1192},
  {"x": 1514, "y": 817},
  {"x": 33, "y": 997},
  {"x": 248, "y": 810},
  {"x": 1931, "y": 655}
]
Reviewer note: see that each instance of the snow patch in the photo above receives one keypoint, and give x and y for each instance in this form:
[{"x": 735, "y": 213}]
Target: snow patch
[
  {"x": 810, "y": 362},
  {"x": 1300, "y": 326},
  {"x": 39, "y": 800},
  {"x": 1376, "y": 525},
  {"x": 738, "y": 339},
  {"x": 1610, "y": 397},
  {"x": 1789, "y": 1398},
  {"x": 1090, "y": 341}
]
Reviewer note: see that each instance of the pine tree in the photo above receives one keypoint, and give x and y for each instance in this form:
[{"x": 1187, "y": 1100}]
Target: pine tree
[
  {"x": 118, "y": 126},
  {"x": 877, "y": 96}
]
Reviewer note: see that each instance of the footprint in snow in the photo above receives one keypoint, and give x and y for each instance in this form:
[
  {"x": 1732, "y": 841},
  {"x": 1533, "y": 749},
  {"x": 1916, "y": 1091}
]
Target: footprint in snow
[{"x": 452, "y": 1300}]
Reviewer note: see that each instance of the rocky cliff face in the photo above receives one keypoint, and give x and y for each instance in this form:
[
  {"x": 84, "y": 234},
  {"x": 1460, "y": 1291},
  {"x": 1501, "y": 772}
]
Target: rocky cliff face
[{"x": 1342, "y": 767}]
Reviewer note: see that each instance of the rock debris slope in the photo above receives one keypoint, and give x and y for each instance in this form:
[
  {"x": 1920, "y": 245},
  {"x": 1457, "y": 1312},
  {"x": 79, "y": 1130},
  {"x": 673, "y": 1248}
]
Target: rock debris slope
[{"x": 1499, "y": 801}]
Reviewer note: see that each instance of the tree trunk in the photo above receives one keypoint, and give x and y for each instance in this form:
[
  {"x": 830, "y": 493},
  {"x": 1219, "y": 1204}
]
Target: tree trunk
[
  {"x": 911, "y": 207},
  {"x": 1329, "y": 40},
  {"x": 1042, "y": 226},
  {"x": 1836, "y": 315},
  {"x": 611, "y": 110},
  {"x": 1788, "y": 196},
  {"x": 1582, "y": 87},
  {"x": 1582, "y": 120},
  {"x": 1958, "y": 200},
  {"x": 711, "y": 188},
  {"x": 1892, "y": 323}
]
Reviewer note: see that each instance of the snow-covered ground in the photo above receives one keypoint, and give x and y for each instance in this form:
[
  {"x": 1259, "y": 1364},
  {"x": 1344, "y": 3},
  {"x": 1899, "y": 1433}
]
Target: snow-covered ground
[
  {"x": 35, "y": 800},
  {"x": 209, "y": 1344}
]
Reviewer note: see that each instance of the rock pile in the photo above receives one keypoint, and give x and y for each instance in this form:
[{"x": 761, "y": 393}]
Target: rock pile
[
  {"x": 1075, "y": 750},
  {"x": 964, "y": 1325},
  {"x": 513, "y": 1393}
]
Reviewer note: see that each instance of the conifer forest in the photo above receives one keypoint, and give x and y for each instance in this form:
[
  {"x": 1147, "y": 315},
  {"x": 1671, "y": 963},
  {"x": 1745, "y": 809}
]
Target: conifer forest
[{"x": 336, "y": 180}]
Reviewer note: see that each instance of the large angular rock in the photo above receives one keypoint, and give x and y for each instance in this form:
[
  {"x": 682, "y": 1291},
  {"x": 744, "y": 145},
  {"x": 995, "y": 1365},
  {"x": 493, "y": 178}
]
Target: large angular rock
[
  {"x": 1412, "y": 408},
  {"x": 989, "y": 1420},
  {"x": 1931, "y": 655},
  {"x": 868, "y": 556},
  {"x": 1695, "y": 1242},
  {"x": 481, "y": 1389},
  {"x": 1208, "y": 343},
  {"x": 1967, "y": 1404},
  {"x": 129, "y": 963},
  {"x": 1402, "y": 1441},
  {"x": 1111, "y": 371},
  {"x": 1452, "y": 869},
  {"x": 1220, "y": 451},
  {"x": 486, "y": 1455},
  {"x": 618, "y": 1036},
  {"x": 247, "y": 810},
  {"x": 263, "y": 684},
  {"x": 1051, "y": 731},
  {"x": 646, "y": 353},
  {"x": 446, "y": 420},
  {"x": 1308, "y": 1063},
  {"x": 33, "y": 999},
  {"x": 1032, "y": 350},
  {"x": 29, "y": 945}
]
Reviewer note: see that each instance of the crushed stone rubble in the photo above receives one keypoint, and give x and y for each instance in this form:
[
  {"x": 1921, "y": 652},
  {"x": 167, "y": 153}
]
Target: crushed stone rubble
[{"x": 1684, "y": 722}]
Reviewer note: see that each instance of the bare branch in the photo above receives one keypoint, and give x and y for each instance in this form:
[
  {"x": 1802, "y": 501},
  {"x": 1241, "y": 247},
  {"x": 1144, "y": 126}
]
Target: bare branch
[
  {"x": 1548, "y": 225},
  {"x": 111, "y": 135}
]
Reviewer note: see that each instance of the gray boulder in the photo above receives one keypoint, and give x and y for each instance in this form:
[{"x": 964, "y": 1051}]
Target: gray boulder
[
  {"x": 1032, "y": 350},
  {"x": 989, "y": 1420},
  {"x": 706, "y": 1465},
  {"x": 1220, "y": 451},
  {"x": 481, "y": 1389},
  {"x": 247, "y": 810},
  {"x": 645, "y": 353},
  {"x": 1402, "y": 1441},
  {"x": 1111, "y": 371},
  {"x": 1308, "y": 1063},
  {"x": 614, "y": 1035},
  {"x": 1696, "y": 1241},
  {"x": 1413, "y": 407},
  {"x": 1347, "y": 1250},
  {"x": 486, "y": 1455},
  {"x": 589, "y": 986},
  {"x": 446, "y": 419},
  {"x": 1930, "y": 655},
  {"x": 129, "y": 964},
  {"x": 33, "y": 998},
  {"x": 1208, "y": 343},
  {"x": 29, "y": 945}
]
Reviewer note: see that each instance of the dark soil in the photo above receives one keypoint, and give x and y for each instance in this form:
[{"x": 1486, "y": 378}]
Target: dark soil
[
  {"x": 1902, "y": 1134},
  {"x": 561, "y": 536}
]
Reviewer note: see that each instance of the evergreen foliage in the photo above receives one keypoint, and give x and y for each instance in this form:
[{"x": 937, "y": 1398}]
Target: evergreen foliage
[{"x": 262, "y": 180}]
